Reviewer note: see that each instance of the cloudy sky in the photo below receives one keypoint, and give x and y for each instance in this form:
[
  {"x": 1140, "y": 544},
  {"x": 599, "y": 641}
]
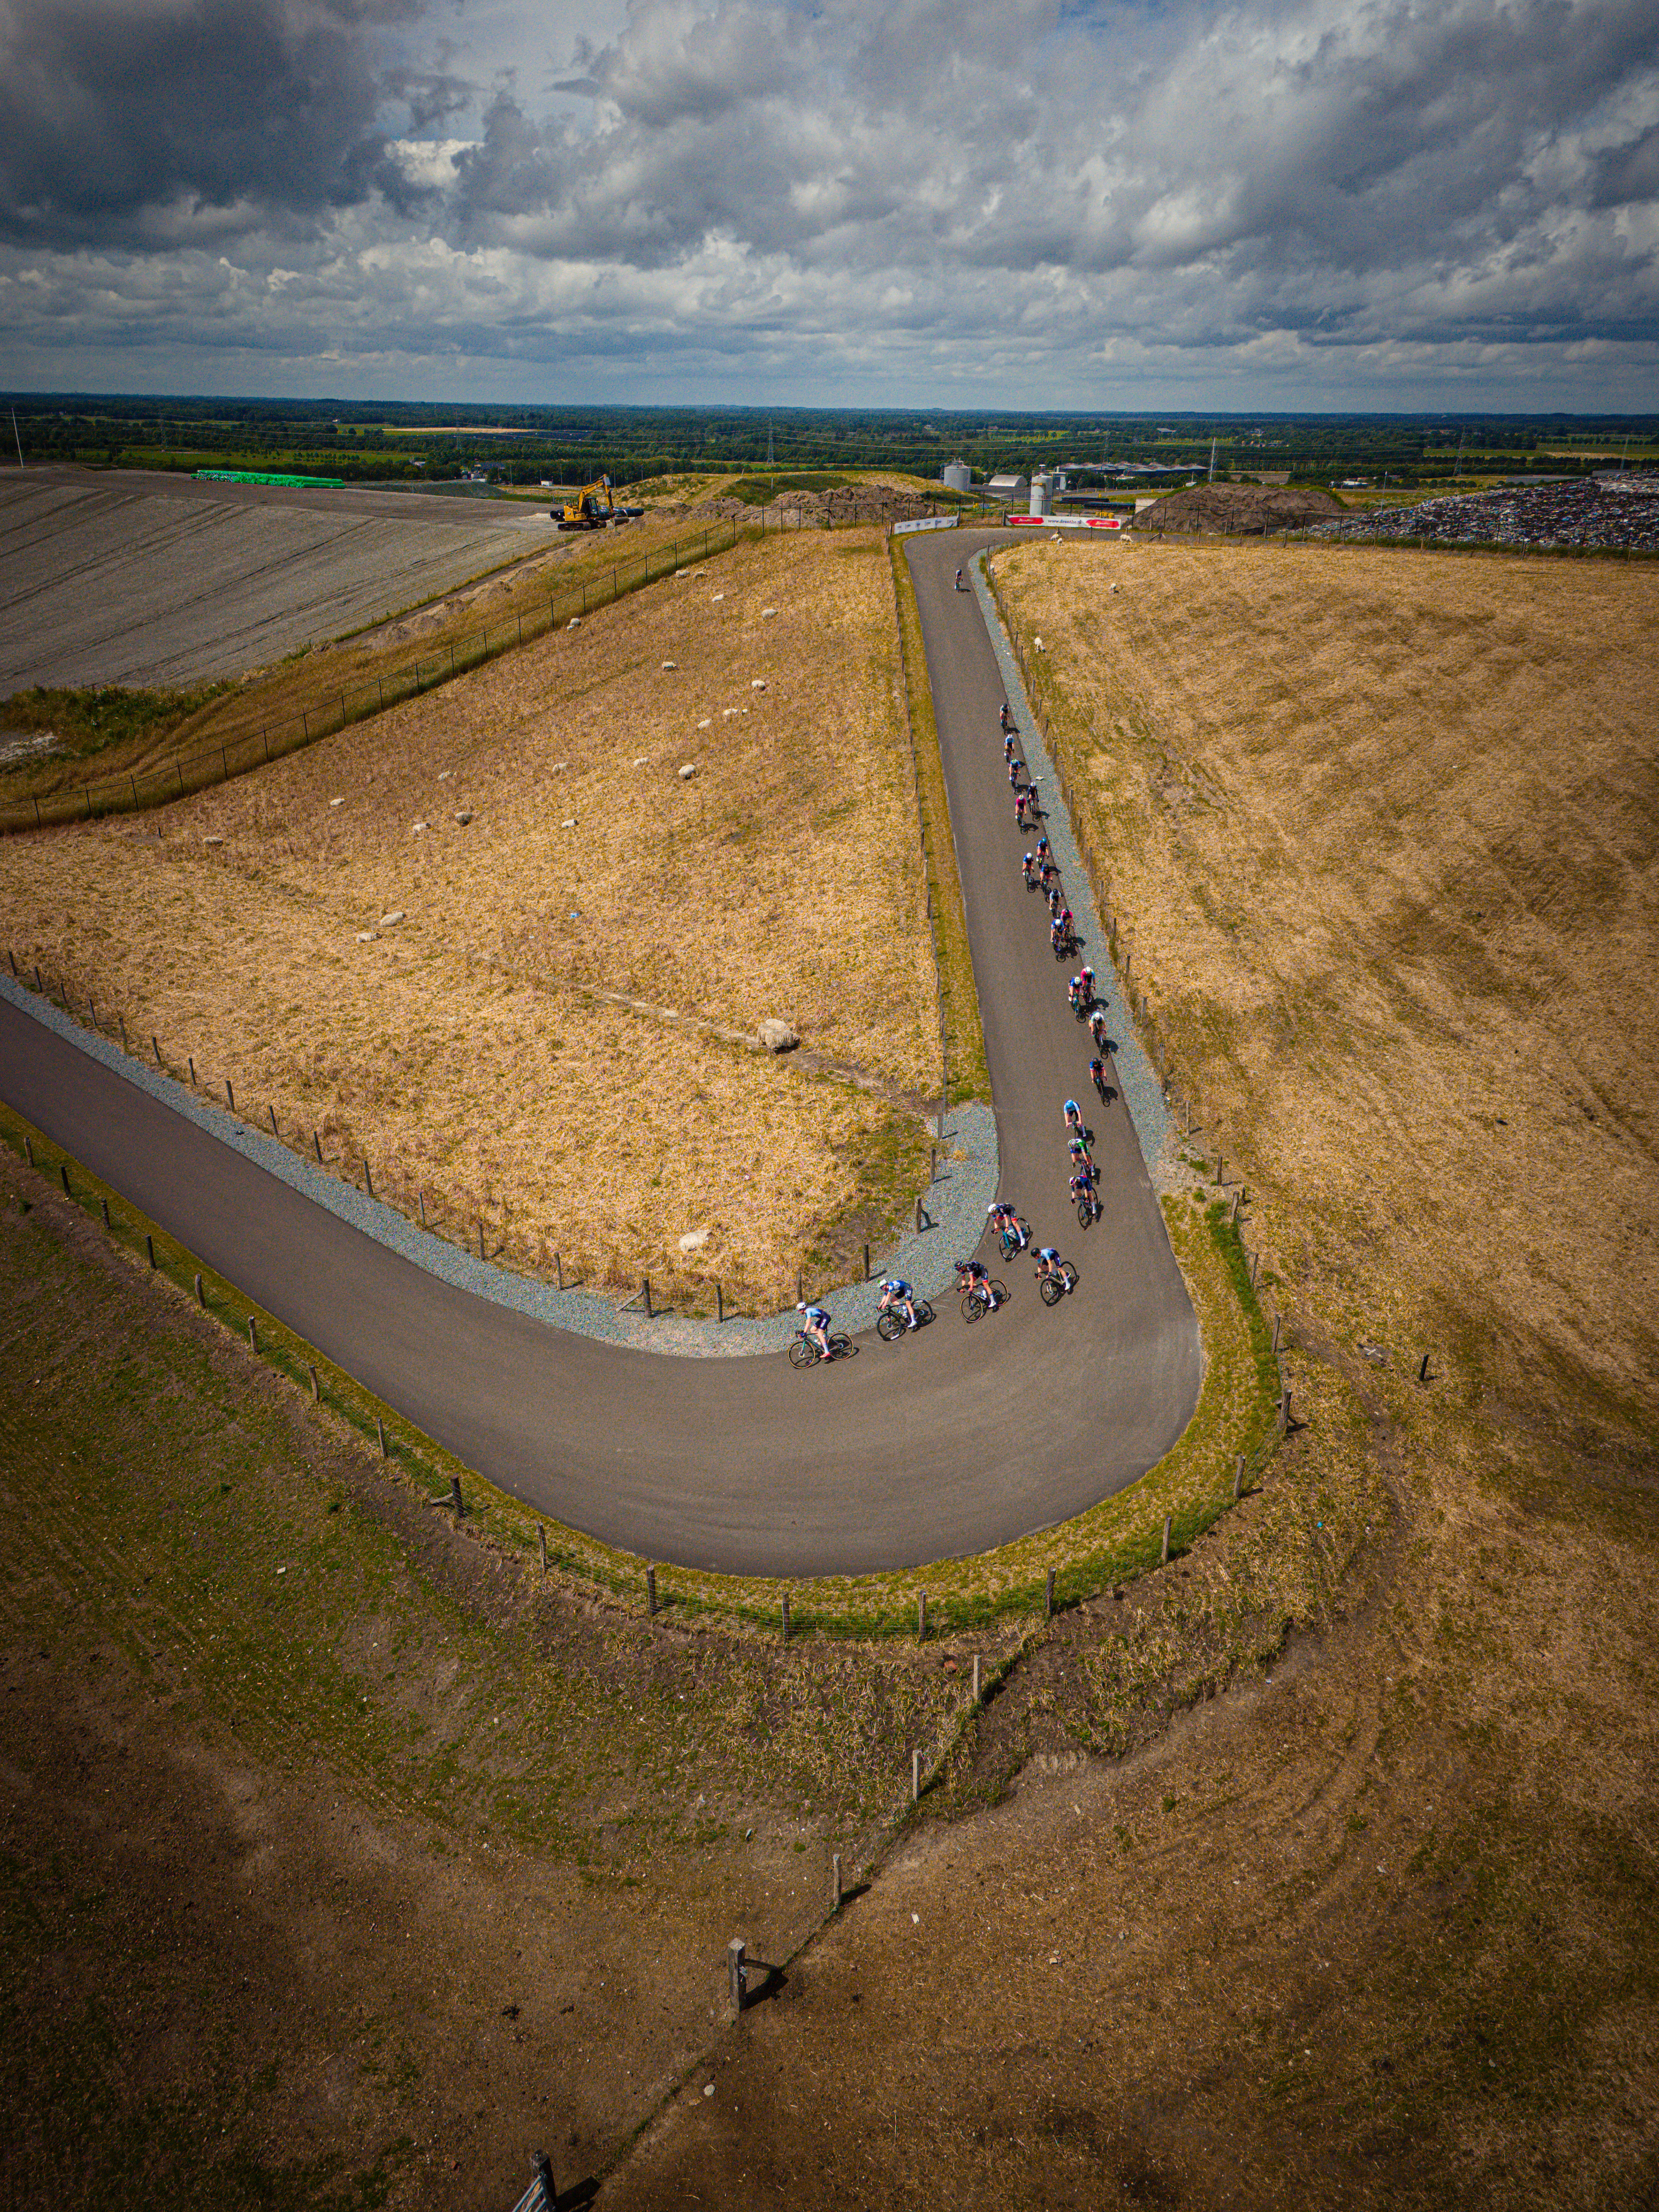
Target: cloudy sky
[{"x": 1392, "y": 205}]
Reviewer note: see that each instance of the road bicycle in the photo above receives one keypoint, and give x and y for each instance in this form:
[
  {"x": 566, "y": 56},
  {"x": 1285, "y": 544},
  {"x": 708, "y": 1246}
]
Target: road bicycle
[
  {"x": 1051, "y": 1289},
  {"x": 1088, "y": 1210},
  {"x": 980, "y": 1298},
  {"x": 890, "y": 1323},
  {"x": 804, "y": 1352},
  {"x": 1011, "y": 1241}
]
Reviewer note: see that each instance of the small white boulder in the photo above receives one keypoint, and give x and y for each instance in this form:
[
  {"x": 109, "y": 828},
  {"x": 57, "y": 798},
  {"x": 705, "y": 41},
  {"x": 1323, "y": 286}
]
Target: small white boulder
[
  {"x": 687, "y": 771},
  {"x": 337, "y": 802},
  {"x": 570, "y": 824},
  {"x": 465, "y": 816},
  {"x": 694, "y": 1241},
  {"x": 574, "y": 623},
  {"x": 213, "y": 841},
  {"x": 767, "y": 613},
  {"x": 758, "y": 684},
  {"x": 417, "y": 829},
  {"x": 670, "y": 664},
  {"x": 390, "y": 921},
  {"x": 444, "y": 774},
  {"x": 777, "y": 1035},
  {"x": 365, "y": 937},
  {"x": 642, "y": 759},
  {"x": 716, "y": 598}
]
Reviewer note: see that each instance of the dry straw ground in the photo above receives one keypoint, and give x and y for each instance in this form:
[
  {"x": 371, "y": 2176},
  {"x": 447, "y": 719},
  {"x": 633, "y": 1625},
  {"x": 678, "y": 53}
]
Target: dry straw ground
[{"x": 456, "y": 1048}]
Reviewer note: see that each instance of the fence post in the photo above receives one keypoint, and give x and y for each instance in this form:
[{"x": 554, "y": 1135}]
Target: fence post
[
  {"x": 644, "y": 1285},
  {"x": 835, "y": 1882},
  {"x": 201, "y": 1295},
  {"x": 253, "y": 1334},
  {"x": 786, "y": 1619},
  {"x": 316, "y": 1388},
  {"x": 1165, "y": 1559},
  {"x": 915, "y": 1778},
  {"x": 921, "y": 1616},
  {"x": 737, "y": 1973},
  {"x": 543, "y": 2168},
  {"x": 651, "y": 1592},
  {"x": 1238, "y": 1479},
  {"x": 976, "y": 1677},
  {"x": 455, "y": 1497},
  {"x": 380, "y": 1430},
  {"x": 719, "y": 1304},
  {"x": 1048, "y": 1595},
  {"x": 149, "y": 1252}
]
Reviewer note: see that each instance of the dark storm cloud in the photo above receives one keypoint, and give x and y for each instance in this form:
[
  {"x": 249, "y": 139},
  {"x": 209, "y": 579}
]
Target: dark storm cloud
[
  {"x": 110, "y": 114},
  {"x": 861, "y": 180}
]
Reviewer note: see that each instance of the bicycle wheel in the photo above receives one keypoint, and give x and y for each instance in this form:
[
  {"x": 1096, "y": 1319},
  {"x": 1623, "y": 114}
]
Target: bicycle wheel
[
  {"x": 1083, "y": 1215},
  {"x": 890, "y": 1325},
  {"x": 924, "y": 1312},
  {"x": 1024, "y": 1230},
  {"x": 801, "y": 1353},
  {"x": 999, "y": 1290},
  {"x": 1070, "y": 1273},
  {"x": 1052, "y": 1292},
  {"x": 842, "y": 1347},
  {"x": 972, "y": 1306}
]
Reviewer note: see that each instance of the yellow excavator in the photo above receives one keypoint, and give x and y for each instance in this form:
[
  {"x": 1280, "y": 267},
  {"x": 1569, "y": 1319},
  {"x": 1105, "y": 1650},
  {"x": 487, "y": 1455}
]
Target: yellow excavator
[{"x": 593, "y": 509}]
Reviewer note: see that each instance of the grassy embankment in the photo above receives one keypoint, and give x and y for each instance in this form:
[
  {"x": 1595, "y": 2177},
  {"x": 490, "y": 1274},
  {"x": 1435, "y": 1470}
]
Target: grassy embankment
[
  {"x": 343, "y": 1860},
  {"x": 1386, "y": 831},
  {"x": 119, "y": 748},
  {"x": 608, "y": 930}
]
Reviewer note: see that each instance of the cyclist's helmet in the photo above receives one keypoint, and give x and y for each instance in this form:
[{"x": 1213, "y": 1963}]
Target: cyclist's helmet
[
  {"x": 1071, "y": 1108},
  {"x": 800, "y": 1305}
]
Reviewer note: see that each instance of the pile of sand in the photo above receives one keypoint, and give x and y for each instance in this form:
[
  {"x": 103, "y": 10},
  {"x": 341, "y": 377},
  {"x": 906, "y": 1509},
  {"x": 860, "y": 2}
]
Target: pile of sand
[
  {"x": 859, "y": 503},
  {"x": 1239, "y": 509}
]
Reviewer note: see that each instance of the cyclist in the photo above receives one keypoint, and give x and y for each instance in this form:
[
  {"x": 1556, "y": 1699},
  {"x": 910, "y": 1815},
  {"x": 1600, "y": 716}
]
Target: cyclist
[
  {"x": 1083, "y": 1186},
  {"x": 1086, "y": 977},
  {"x": 958, "y": 580},
  {"x": 1050, "y": 1263},
  {"x": 1028, "y": 868},
  {"x": 1098, "y": 1076},
  {"x": 975, "y": 1275},
  {"x": 1007, "y": 724},
  {"x": 1048, "y": 874},
  {"x": 1074, "y": 993},
  {"x": 1078, "y": 1149},
  {"x": 1021, "y": 801},
  {"x": 897, "y": 1293},
  {"x": 1008, "y": 749},
  {"x": 1005, "y": 1222},
  {"x": 1014, "y": 768},
  {"x": 1074, "y": 1113},
  {"x": 1057, "y": 934},
  {"x": 815, "y": 1321},
  {"x": 1055, "y": 901},
  {"x": 1097, "y": 1026},
  {"x": 1042, "y": 851}
]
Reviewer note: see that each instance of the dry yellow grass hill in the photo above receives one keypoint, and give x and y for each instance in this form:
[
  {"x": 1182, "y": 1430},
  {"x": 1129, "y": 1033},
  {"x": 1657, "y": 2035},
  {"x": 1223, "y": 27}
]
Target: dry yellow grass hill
[{"x": 428, "y": 991}]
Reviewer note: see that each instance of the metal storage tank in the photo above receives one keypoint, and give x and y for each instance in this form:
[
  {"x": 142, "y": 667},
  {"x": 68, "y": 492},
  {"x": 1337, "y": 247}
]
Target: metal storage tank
[
  {"x": 959, "y": 476},
  {"x": 1043, "y": 485}
]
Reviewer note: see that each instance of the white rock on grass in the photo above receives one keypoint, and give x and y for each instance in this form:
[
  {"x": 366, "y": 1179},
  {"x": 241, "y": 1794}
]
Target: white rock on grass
[
  {"x": 687, "y": 771},
  {"x": 767, "y": 613},
  {"x": 213, "y": 841},
  {"x": 417, "y": 829},
  {"x": 694, "y": 1241},
  {"x": 727, "y": 713},
  {"x": 777, "y": 1035},
  {"x": 574, "y": 623},
  {"x": 758, "y": 684},
  {"x": 337, "y": 802},
  {"x": 390, "y": 921},
  {"x": 465, "y": 816},
  {"x": 570, "y": 824},
  {"x": 444, "y": 774},
  {"x": 705, "y": 722},
  {"x": 716, "y": 598},
  {"x": 365, "y": 937},
  {"x": 643, "y": 761},
  {"x": 670, "y": 664}
]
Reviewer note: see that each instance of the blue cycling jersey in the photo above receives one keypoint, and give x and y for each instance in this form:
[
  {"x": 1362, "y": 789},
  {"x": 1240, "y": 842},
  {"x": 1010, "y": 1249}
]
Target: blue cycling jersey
[
  {"x": 817, "y": 1317},
  {"x": 1050, "y": 1254},
  {"x": 900, "y": 1290}
]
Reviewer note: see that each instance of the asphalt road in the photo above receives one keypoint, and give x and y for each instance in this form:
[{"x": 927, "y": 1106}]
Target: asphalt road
[
  {"x": 126, "y": 578},
  {"x": 947, "y": 1443}
]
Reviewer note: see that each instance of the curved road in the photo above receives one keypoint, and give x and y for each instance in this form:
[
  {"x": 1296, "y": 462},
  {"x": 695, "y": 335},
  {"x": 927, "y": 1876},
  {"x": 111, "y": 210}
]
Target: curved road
[{"x": 945, "y": 1444}]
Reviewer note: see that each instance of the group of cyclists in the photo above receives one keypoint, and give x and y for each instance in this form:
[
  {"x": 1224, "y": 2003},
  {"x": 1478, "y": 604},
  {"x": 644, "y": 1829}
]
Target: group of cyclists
[{"x": 979, "y": 1291}]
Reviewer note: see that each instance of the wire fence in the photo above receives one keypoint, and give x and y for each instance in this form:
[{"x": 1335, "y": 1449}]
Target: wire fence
[{"x": 215, "y": 760}]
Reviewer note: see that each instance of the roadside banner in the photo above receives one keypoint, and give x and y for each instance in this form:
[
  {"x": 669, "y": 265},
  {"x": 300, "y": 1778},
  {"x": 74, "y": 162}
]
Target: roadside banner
[
  {"x": 927, "y": 522},
  {"x": 1063, "y": 522}
]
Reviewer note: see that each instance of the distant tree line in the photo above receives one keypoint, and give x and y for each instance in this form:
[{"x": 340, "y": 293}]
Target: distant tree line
[{"x": 392, "y": 441}]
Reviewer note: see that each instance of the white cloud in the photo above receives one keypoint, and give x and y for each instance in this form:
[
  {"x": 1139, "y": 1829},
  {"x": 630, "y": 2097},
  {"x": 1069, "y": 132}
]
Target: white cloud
[{"x": 1368, "y": 205}]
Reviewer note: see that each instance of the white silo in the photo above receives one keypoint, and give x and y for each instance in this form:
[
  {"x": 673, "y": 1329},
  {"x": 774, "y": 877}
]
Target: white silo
[
  {"x": 1043, "y": 486},
  {"x": 959, "y": 476}
]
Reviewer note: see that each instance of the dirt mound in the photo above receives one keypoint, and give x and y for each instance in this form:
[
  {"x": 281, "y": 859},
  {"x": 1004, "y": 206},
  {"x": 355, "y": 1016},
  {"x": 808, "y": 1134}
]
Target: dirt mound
[
  {"x": 1238, "y": 509},
  {"x": 871, "y": 502}
]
